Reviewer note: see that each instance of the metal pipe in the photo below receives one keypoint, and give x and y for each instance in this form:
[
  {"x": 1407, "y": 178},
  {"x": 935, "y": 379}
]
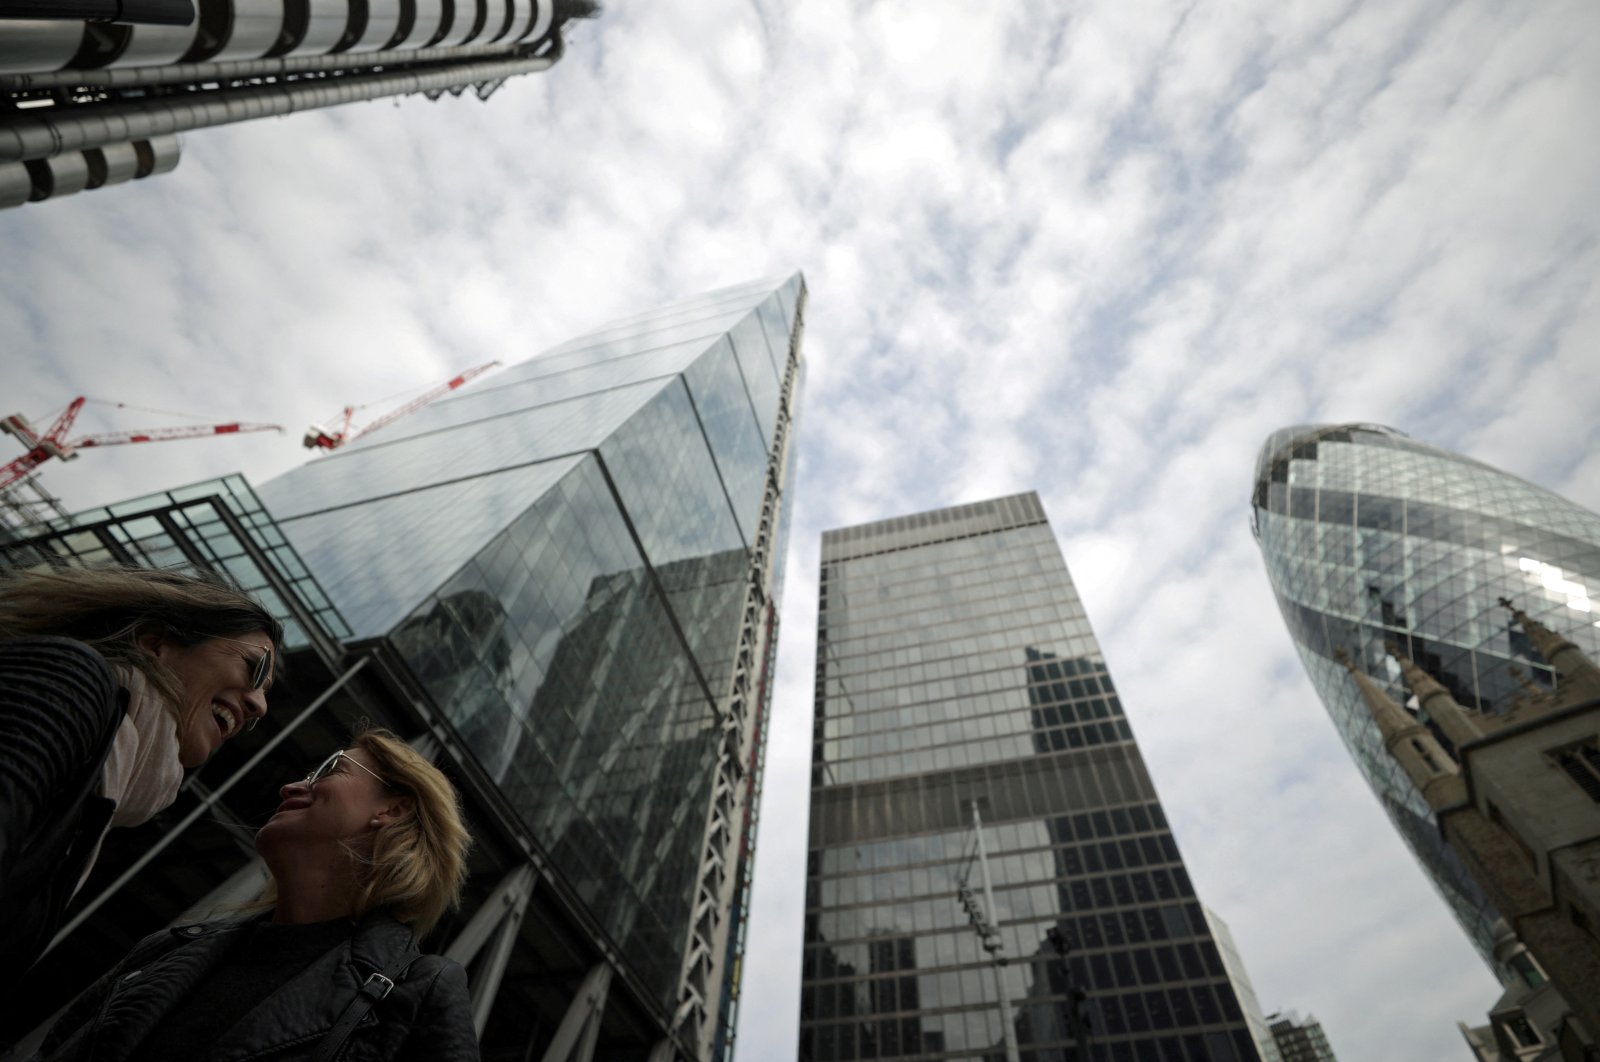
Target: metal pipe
[
  {"x": 581, "y": 1023},
  {"x": 205, "y": 805},
  {"x": 490, "y": 972},
  {"x": 141, "y": 12},
  {"x": 512, "y": 892},
  {"x": 35, "y": 135},
  {"x": 178, "y": 73}
]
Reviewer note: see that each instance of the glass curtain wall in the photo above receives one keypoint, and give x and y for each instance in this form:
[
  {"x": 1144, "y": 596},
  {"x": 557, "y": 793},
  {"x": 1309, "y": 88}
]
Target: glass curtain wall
[
  {"x": 560, "y": 555},
  {"x": 1370, "y": 536},
  {"x": 956, "y": 669},
  {"x": 195, "y": 859}
]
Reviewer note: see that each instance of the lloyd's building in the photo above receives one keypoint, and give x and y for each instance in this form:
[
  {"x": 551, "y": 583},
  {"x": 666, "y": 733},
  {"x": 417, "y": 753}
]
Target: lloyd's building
[
  {"x": 94, "y": 92},
  {"x": 561, "y": 582}
]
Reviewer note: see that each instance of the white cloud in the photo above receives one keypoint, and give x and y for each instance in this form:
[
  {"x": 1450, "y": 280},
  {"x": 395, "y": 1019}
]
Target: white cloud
[{"x": 1099, "y": 253}]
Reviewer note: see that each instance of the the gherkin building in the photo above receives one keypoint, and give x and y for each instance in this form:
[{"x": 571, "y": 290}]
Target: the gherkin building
[{"x": 1370, "y": 536}]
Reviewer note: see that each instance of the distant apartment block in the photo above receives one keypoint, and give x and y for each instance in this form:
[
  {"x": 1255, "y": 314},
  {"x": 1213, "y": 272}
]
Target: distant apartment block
[{"x": 1299, "y": 1040}]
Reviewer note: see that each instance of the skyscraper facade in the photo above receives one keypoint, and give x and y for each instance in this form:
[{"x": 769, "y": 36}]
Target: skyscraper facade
[
  {"x": 1370, "y": 536},
  {"x": 86, "y": 104},
  {"x": 564, "y": 583},
  {"x": 961, "y": 697},
  {"x": 1233, "y": 962},
  {"x": 577, "y": 559}
]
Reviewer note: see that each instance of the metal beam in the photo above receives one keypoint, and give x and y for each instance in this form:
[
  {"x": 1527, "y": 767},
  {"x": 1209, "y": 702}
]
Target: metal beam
[
  {"x": 512, "y": 893},
  {"x": 426, "y": 745},
  {"x": 575, "y": 1038},
  {"x": 145, "y": 12},
  {"x": 486, "y": 979}
]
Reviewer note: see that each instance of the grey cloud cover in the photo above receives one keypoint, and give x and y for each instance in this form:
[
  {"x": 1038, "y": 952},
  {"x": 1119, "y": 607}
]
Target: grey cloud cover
[{"x": 1098, "y": 252}]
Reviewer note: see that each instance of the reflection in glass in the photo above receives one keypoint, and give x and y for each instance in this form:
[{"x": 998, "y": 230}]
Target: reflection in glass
[
  {"x": 562, "y": 557},
  {"x": 955, "y": 666},
  {"x": 1369, "y": 536}
]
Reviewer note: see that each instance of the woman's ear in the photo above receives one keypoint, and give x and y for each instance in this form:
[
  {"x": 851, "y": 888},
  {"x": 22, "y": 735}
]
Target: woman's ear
[
  {"x": 394, "y": 810},
  {"x": 152, "y": 642}
]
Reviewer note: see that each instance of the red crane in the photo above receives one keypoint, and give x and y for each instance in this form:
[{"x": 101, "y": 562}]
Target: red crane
[
  {"x": 320, "y": 438},
  {"x": 54, "y": 442}
]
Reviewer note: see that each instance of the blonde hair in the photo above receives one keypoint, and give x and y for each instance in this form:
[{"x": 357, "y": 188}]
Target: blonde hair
[
  {"x": 111, "y": 609},
  {"x": 419, "y": 861}
]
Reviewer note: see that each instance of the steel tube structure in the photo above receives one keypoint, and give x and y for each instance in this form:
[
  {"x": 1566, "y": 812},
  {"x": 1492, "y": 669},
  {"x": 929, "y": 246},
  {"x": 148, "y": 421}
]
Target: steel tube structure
[
  {"x": 144, "y": 12},
  {"x": 183, "y": 73},
  {"x": 35, "y": 135}
]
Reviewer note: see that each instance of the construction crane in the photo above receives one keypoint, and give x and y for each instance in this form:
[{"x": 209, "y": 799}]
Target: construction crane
[
  {"x": 321, "y": 438},
  {"x": 54, "y": 442}
]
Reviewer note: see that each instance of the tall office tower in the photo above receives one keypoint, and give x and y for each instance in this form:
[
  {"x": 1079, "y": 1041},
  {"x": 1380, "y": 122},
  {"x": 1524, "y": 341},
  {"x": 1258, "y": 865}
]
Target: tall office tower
[
  {"x": 1370, "y": 536},
  {"x": 972, "y": 767},
  {"x": 1233, "y": 962},
  {"x": 86, "y": 104},
  {"x": 577, "y": 558},
  {"x": 1300, "y": 1041},
  {"x": 562, "y": 583}
]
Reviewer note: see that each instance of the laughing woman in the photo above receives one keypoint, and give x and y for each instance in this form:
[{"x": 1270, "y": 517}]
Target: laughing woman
[
  {"x": 366, "y": 853},
  {"x": 112, "y": 682}
]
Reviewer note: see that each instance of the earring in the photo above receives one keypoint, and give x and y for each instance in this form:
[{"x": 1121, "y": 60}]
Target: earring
[{"x": 374, "y": 824}]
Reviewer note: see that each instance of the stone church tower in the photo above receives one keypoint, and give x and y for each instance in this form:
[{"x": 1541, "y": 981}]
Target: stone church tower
[{"x": 1517, "y": 796}]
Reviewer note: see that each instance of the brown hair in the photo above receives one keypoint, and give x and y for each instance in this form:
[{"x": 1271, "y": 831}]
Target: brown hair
[
  {"x": 110, "y": 609},
  {"x": 418, "y": 861}
]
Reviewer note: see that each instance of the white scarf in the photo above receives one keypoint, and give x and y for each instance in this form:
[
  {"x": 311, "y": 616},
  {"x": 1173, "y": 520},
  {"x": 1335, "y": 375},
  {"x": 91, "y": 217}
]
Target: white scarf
[{"x": 142, "y": 773}]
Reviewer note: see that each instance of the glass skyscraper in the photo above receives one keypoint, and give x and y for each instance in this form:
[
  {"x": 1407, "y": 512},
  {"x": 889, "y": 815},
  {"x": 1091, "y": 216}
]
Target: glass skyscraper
[
  {"x": 562, "y": 585},
  {"x": 957, "y": 674},
  {"x": 576, "y": 558},
  {"x": 1370, "y": 536}
]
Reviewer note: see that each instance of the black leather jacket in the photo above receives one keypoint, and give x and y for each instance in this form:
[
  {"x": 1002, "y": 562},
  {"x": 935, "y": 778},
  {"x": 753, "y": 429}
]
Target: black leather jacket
[
  {"x": 60, "y": 707},
  {"x": 426, "y": 1018}
]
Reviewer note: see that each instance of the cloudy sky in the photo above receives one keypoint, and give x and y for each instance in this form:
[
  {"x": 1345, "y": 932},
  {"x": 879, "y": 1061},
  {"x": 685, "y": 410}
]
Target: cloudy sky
[{"x": 1100, "y": 255}]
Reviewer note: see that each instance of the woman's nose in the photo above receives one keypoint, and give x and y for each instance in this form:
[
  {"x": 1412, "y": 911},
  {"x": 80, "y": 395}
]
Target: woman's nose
[
  {"x": 293, "y": 787},
  {"x": 255, "y": 708}
]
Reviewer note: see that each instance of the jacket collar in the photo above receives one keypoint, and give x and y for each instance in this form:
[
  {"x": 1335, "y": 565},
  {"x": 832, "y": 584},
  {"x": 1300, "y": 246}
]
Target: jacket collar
[
  {"x": 301, "y": 1011},
  {"x": 305, "y": 1007}
]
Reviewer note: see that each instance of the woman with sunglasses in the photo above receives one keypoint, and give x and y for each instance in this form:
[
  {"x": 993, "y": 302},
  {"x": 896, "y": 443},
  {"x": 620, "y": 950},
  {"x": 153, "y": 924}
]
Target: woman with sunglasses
[
  {"x": 365, "y": 854},
  {"x": 112, "y": 683}
]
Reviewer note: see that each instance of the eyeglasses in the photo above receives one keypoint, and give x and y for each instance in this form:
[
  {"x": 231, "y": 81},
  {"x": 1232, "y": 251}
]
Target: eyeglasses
[
  {"x": 260, "y": 667},
  {"x": 333, "y": 761},
  {"x": 260, "y": 672}
]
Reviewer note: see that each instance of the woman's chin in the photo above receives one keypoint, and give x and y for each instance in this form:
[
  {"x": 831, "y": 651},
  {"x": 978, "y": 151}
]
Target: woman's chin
[{"x": 269, "y": 836}]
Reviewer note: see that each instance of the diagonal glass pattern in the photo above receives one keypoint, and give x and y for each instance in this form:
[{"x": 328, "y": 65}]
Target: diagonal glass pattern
[
  {"x": 1370, "y": 536},
  {"x": 511, "y": 438},
  {"x": 378, "y": 558},
  {"x": 722, "y": 402}
]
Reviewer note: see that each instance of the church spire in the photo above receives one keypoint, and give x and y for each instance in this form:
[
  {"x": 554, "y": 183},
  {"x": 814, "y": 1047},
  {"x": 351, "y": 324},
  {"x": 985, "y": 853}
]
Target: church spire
[
  {"x": 1436, "y": 702},
  {"x": 1531, "y": 700},
  {"x": 1411, "y": 744},
  {"x": 1576, "y": 670}
]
